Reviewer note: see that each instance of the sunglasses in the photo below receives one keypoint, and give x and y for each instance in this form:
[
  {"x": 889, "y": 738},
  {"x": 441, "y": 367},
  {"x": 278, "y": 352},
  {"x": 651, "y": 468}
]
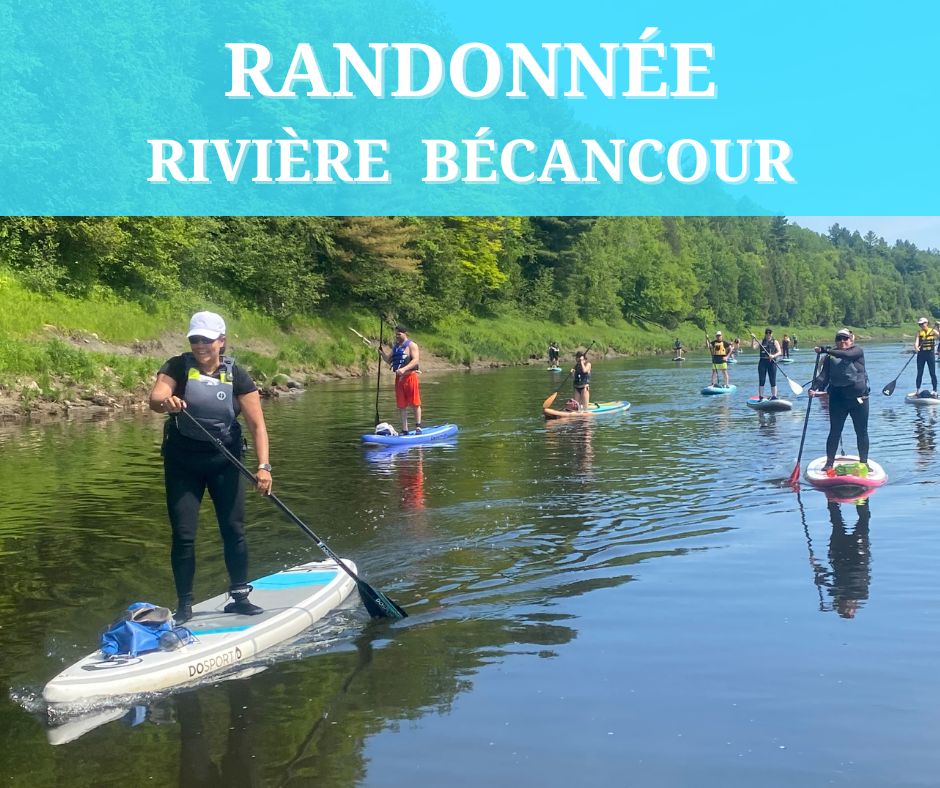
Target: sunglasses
[
  {"x": 197, "y": 340},
  {"x": 843, "y": 339}
]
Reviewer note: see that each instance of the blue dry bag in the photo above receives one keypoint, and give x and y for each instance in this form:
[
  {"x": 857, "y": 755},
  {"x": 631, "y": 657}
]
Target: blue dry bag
[{"x": 143, "y": 627}]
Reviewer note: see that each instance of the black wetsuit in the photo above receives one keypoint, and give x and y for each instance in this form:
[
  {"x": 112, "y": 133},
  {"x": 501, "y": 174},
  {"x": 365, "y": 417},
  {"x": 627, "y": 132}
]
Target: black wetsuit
[
  {"x": 765, "y": 366},
  {"x": 190, "y": 468},
  {"x": 843, "y": 375}
]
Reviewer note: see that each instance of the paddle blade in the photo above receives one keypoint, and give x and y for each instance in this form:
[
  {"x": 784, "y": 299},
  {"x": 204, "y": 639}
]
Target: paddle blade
[
  {"x": 377, "y": 604},
  {"x": 794, "y": 479},
  {"x": 549, "y": 400},
  {"x": 889, "y": 389},
  {"x": 795, "y": 387}
]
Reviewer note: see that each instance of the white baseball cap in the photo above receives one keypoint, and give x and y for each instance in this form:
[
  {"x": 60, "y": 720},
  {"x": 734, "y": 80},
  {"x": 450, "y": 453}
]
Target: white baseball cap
[
  {"x": 206, "y": 324},
  {"x": 922, "y": 320}
]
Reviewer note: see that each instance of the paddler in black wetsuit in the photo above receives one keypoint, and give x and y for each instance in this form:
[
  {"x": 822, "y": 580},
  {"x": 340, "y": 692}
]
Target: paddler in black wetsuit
[
  {"x": 769, "y": 350},
  {"x": 842, "y": 373},
  {"x": 925, "y": 344},
  {"x": 214, "y": 390},
  {"x": 553, "y": 354}
]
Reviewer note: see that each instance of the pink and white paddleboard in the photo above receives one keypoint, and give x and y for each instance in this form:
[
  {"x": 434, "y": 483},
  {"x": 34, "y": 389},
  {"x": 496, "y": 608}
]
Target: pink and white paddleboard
[{"x": 818, "y": 478}]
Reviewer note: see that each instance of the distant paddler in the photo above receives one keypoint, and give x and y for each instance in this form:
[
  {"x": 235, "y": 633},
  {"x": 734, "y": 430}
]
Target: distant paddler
[
  {"x": 404, "y": 358},
  {"x": 678, "y": 348},
  {"x": 720, "y": 349},
  {"x": 766, "y": 368},
  {"x": 925, "y": 344}
]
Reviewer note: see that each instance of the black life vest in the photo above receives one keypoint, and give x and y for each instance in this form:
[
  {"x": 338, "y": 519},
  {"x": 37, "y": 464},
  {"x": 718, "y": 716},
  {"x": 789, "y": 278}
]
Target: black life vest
[{"x": 210, "y": 400}]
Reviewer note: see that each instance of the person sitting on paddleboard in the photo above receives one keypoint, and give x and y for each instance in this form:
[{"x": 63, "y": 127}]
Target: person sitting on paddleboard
[
  {"x": 213, "y": 389},
  {"x": 842, "y": 373},
  {"x": 404, "y": 358},
  {"x": 785, "y": 346},
  {"x": 582, "y": 379},
  {"x": 553, "y": 354},
  {"x": 769, "y": 350},
  {"x": 925, "y": 344},
  {"x": 720, "y": 350},
  {"x": 677, "y": 346}
]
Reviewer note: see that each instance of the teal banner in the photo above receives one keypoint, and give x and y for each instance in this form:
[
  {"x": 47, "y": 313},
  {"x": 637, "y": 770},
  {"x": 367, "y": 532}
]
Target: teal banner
[{"x": 526, "y": 108}]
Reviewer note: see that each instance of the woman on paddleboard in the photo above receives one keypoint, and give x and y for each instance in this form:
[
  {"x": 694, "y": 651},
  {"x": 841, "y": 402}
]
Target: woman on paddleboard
[
  {"x": 214, "y": 390},
  {"x": 925, "y": 345},
  {"x": 842, "y": 374},
  {"x": 582, "y": 379},
  {"x": 766, "y": 368}
]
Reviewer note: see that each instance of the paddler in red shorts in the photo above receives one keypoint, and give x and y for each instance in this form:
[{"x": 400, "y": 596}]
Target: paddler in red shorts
[{"x": 404, "y": 358}]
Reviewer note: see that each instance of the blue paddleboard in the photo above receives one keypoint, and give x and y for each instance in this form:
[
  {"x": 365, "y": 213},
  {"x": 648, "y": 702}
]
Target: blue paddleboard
[
  {"x": 719, "y": 389},
  {"x": 427, "y": 435}
]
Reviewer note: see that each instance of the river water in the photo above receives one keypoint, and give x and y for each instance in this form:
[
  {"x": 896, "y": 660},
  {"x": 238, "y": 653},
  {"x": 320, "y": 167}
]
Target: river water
[{"x": 634, "y": 600}]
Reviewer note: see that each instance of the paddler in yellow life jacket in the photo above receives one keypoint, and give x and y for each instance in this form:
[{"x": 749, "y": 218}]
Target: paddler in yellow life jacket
[
  {"x": 720, "y": 348},
  {"x": 925, "y": 345}
]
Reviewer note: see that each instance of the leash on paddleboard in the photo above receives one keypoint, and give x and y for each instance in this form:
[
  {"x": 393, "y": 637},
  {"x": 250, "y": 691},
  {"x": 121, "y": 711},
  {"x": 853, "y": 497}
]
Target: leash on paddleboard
[
  {"x": 377, "y": 604},
  {"x": 551, "y": 397},
  {"x": 888, "y": 390},
  {"x": 795, "y": 476},
  {"x": 795, "y": 387}
]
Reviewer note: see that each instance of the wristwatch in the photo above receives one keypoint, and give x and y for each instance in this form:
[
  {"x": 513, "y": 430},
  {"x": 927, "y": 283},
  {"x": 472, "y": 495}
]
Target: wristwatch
[{"x": 265, "y": 466}]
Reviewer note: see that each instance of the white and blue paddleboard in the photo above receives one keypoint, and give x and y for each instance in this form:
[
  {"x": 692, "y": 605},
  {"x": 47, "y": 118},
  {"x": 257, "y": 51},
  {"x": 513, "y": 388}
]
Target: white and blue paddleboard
[
  {"x": 770, "y": 405},
  {"x": 554, "y": 369},
  {"x": 719, "y": 389},
  {"x": 784, "y": 360},
  {"x": 918, "y": 398},
  {"x": 292, "y": 601},
  {"x": 426, "y": 435}
]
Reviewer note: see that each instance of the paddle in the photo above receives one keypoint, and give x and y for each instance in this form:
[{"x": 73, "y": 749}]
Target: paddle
[
  {"x": 889, "y": 389},
  {"x": 364, "y": 339},
  {"x": 795, "y": 387},
  {"x": 377, "y": 604},
  {"x": 795, "y": 476},
  {"x": 551, "y": 397},
  {"x": 378, "y": 376}
]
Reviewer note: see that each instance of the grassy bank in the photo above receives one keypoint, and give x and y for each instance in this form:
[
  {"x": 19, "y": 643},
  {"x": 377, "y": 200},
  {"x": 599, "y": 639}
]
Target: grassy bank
[{"x": 101, "y": 349}]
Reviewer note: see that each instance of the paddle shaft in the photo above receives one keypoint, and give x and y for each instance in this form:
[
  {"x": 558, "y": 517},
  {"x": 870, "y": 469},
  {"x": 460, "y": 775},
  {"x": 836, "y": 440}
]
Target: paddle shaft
[
  {"x": 378, "y": 376},
  {"x": 296, "y": 520},
  {"x": 794, "y": 477},
  {"x": 888, "y": 390}
]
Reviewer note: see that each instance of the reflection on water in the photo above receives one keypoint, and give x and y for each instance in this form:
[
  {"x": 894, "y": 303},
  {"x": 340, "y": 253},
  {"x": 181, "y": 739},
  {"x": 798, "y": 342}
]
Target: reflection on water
[
  {"x": 847, "y": 577},
  {"x": 600, "y": 591},
  {"x": 925, "y": 433}
]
